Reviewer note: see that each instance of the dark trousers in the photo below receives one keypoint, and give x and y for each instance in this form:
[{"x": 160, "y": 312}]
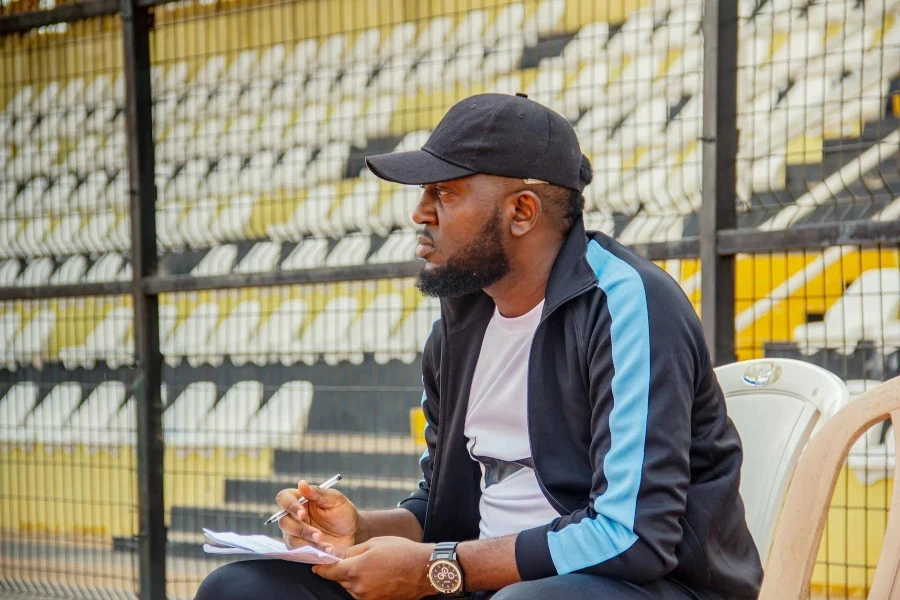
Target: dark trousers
[{"x": 280, "y": 580}]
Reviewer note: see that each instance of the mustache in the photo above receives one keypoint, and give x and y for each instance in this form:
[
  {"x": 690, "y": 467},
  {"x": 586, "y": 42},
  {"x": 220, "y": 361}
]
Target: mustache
[{"x": 425, "y": 235}]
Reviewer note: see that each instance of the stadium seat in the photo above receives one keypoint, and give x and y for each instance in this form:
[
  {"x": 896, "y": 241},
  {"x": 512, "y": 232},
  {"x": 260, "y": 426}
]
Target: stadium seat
[
  {"x": 228, "y": 419},
  {"x": 398, "y": 41},
  {"x": 234, "y": 332},
  {"x": 10, "y": 322},
  {"x": 409, "y": 338},
  {"x": 364, "y": 50},
  {"x": 262, "y": 258},
  {"x": 271, "y": 61},
  {"x": 21, "y": 102},
  {"x": 398, "y": 247},
  {"x": 218, "y": 261},
  {"x": 189, "y": 338},
  {"x": 105, "y": 268},
  {"x": 310, "y": 217},
  {"x": 342, "y": 123},
  {"x": 309, "y": 254},
  {"x": 230, "y": 223},
  {"x": 272, "y": 131},
  {"x": 183, "y": 416},
  {"x": 465, "y": 65},
  {"x": 504, "y": 57},
  {"x": 37, "y": 272},
  {"x": 326, "y": 333},
  {"x": 371, "y": 332},
  {"x": 353, "y": 210},
  {"x": 281, "y": 421},
  {"x": 106, "y": 342},
  {"x": 45, "y": 424},
  {"x": 273, "y": 335},
  {"x": 234, "y": 141},
  {"x": 774, "y": 403},
  {"x": 509, "y": 21},
  {"x": 243, "y": 67},
  {"x": 29, "y": 345},
  {"x": 330, "y": 52},
  {"x": 9, "y": 272},
  {"x": 544, "y": 21},
  {"x": 350, "y": 250},
  {"x": 15, "y": 406},
  {"x": 867, "y": 305},
  {"x": 29, "y": 240},
  {"x": 71, "y": 271},
  {"x": 88, "y": 423}
]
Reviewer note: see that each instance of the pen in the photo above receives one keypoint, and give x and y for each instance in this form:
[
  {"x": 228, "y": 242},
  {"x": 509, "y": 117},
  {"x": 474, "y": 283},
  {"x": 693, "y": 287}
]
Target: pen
[{"x": 324, "y": 485}]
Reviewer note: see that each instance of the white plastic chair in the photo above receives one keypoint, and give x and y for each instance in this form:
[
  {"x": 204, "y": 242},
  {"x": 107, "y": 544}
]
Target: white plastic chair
[
  {"x": 352, "y": 212},
  {"x": 231, "y": 222},
  {"x": 507, "y": 22},
  {"x": 274, "y": 334},
  {"x": 470, "y": 29},
  {"x": 408, "y": 341},
  {"x": 398, "y": 41},
  {"x": 105, "y": 269},
  {"x": 545, "y": 20},
  {"x": 10, "y": 323},
  {"x": 371, "y": 332},
  {"x": 867, "y": 305},
  {"x": 71, "y": 271},
  {"x": 434, "y": 34},
  {"x": 281, "y": 421},
  {"x": 774, "y": 404},
  {"x": 301, "y": 58},
  {"x": 365, "y": 48},
  {"x": 9, "y": 272},
  {"x": 272, "y": 60}
]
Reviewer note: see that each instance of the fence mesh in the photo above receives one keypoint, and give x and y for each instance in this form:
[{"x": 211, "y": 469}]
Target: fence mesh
[{"x": 263, "y": 113}]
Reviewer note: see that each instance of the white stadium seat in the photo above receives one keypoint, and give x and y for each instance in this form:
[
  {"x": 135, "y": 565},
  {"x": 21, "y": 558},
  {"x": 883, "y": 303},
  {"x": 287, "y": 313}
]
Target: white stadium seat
[
  {"x": 183, "y": 416},
  {"x": 88, "y": 424},
  {"x": 398, "y": 41},
  {"x": 106, "y": 342},
  {"x": 398, "y": 247},
  {"x": 218, "y": 261},
  {"x": 309, "y": 254},
  {"x": 189, "y": 339},
  {"x": 325, "y": 335},
  {"x": 273, "y": 335},
  {"x": 37, "y": 272},
  {"x": 106, "y": 268},
  {"x": 300, "y": 60},
  {"x": 409, "y": 339},
  {"x": 281, "y": 422},
  {"x": 352, "y": 249},
  {"x": 271, "y": 61},
  {"x": 45, "y": 424},
  {"x": 70, "y": 271},
  {"x": 15, "y": 406},
  {"x": 867, "y": 304},
  {"x": 9, "y": 272},
  {"x": 233, "y": 333},
  {"x": 227, "y": 421},
  {"x": 262, "y": 258},
  {"x": 371, "y": 332},
  {"x": 509, "y": 20},
  {"x": 470, "y": 29}
]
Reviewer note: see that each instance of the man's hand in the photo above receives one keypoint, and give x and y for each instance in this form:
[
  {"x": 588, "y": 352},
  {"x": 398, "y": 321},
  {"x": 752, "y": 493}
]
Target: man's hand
[
  {"x": 328, "y": 520},
  {"x": 384, "y": 568}
]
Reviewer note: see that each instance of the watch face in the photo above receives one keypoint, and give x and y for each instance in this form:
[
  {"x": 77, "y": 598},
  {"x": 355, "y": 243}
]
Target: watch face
[{"x": 445, "y": 576}]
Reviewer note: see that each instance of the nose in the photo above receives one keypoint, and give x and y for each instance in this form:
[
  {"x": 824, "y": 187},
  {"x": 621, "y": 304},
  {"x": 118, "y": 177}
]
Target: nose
[{"x": 424, "y": 212}]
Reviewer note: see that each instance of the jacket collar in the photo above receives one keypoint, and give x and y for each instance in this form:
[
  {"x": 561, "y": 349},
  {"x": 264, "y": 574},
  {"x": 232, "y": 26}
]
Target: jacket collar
[{"x": 570, "y": 274}]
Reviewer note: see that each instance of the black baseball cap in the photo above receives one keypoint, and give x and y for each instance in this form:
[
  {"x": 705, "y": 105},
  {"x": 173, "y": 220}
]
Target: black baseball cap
[{"x": 493, "y": 134}]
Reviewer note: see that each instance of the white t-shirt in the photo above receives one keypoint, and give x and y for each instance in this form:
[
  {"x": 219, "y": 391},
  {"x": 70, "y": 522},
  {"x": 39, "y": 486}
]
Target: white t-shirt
[{"x": 497, "y": 428}]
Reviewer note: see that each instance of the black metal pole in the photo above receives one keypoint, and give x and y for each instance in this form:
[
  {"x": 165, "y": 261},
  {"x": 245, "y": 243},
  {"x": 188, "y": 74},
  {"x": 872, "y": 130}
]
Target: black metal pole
[
  {"x": 146, "y": 389},
  {"x": 719, "y": 150}
]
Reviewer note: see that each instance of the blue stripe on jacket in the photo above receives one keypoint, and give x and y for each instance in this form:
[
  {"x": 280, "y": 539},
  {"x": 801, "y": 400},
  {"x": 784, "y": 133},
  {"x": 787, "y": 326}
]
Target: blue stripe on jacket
[{"x": 593, "y": 541}]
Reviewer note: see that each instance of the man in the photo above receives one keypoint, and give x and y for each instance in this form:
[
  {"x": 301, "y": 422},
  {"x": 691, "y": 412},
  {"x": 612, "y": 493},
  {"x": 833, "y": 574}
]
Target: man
[{"x": 577, "y": 440}]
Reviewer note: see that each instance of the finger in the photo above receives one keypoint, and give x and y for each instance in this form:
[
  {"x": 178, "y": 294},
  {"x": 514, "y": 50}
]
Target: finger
[
  {"x": 356, "y": 550},
  {"x": 299, "y": 529},
  {"x": 286, "y": 497},
  {"x": 323, "y": 498},
  {"x": 335, "y": 572},
  {"x": 293, "y": 542}
]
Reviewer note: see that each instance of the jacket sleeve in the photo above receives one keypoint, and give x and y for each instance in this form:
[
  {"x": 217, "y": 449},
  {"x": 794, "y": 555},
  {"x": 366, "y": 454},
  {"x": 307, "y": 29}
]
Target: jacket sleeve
[
  {"x": 643, "y": 356},
  {"x": 417, "y": 502}
]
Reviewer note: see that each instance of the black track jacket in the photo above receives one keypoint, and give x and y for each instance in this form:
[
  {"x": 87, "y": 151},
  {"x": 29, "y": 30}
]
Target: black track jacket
[{"x": 627, "y": 424}]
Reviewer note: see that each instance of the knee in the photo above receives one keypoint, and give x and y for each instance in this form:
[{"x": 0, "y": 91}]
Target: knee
[
  {"x": 228, "y": 582},
  {"x": 251, "y": 580},
  {"x": 516, "y": 591}
]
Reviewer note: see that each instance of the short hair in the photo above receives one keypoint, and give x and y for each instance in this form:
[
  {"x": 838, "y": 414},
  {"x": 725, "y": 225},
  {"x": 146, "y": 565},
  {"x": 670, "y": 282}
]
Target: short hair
[{"x": 566, "y": 205}]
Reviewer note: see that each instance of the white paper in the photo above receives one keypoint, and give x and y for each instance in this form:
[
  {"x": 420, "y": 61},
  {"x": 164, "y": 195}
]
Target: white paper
[{"x": 260, "y": 545}]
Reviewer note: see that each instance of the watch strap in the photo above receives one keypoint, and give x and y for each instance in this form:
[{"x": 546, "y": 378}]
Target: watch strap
[{"x": 444, "y": 551}]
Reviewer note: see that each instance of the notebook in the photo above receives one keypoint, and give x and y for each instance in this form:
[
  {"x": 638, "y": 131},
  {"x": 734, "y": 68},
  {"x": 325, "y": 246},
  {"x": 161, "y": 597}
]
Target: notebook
[{"x": 263, "y": 546}]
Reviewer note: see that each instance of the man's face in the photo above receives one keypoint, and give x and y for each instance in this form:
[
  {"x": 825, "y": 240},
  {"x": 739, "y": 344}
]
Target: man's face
[{"x": 462, "y": 242}]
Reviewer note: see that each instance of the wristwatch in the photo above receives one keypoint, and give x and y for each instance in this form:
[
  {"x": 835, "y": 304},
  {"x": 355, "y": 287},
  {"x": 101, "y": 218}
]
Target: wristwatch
[{"x": 444, "y": 571}]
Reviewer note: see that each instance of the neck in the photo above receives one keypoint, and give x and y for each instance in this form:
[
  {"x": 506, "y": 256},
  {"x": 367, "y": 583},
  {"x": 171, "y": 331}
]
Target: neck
[{"x": 525, "y": 285}]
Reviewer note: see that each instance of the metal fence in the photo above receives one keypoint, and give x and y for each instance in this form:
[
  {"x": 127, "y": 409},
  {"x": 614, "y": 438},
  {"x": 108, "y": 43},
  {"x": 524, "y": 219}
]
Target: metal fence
[{"x": 205, "y": 296}]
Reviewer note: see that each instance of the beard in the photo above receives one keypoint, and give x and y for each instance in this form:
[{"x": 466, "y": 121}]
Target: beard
[{"x": 482, "y": 263}]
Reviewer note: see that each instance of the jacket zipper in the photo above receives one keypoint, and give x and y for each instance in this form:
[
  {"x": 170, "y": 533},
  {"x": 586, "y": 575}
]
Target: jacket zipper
[{"x": 537, "y": 474}]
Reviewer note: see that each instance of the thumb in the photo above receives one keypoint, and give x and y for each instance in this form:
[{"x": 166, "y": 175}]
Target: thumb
[
  {"x": 356, "y": 550},
  {"x": 321, "y": 497}
]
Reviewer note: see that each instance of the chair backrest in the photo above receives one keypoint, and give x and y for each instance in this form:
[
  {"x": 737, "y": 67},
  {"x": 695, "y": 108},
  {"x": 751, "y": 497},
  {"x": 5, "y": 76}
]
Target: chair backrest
[
  {"x": 799, "y": 534},
  {"x": 774, "y": 403}
]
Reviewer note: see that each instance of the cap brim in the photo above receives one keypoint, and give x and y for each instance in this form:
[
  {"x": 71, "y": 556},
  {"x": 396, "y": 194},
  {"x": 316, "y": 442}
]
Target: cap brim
[{"x": 416, "y": 167}]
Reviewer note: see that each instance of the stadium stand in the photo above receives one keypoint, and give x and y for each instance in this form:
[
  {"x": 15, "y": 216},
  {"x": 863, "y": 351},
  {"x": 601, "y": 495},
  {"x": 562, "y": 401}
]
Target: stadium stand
[{"x": 260, "y": 167}]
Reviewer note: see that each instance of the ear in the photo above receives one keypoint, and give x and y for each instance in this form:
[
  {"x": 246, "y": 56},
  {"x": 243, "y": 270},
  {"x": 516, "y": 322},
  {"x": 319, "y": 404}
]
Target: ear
[{"x": 525, "y": 208}]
